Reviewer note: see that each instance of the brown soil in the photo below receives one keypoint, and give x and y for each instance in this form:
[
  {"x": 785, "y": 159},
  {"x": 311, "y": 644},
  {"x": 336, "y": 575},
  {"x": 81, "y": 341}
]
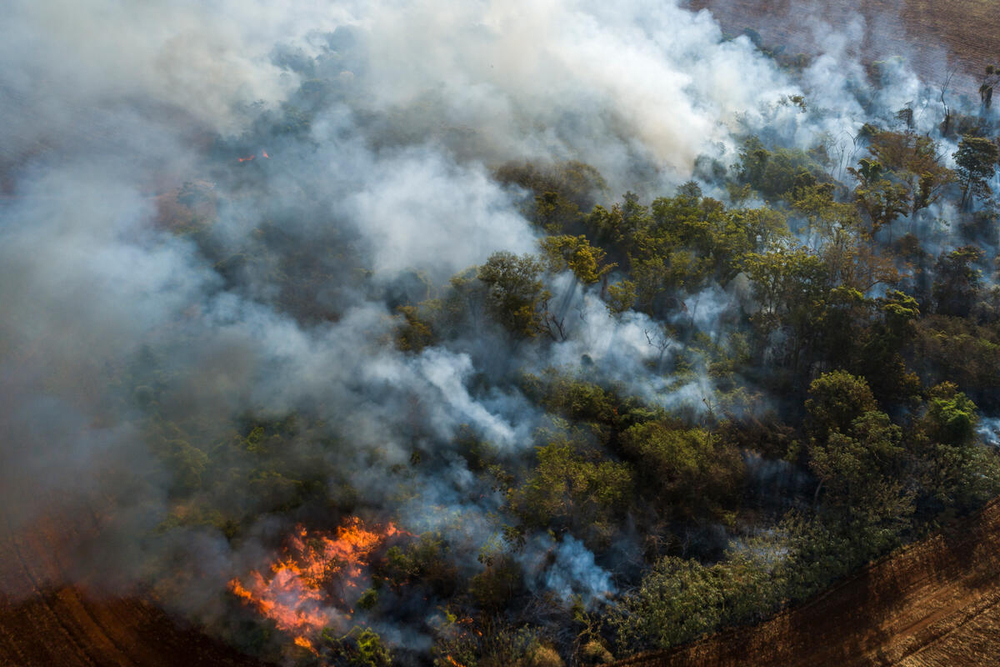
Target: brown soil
[
  {"x": 934, "y": 603},
  {"x": 45, "y": 624},
  {"x": 937, "y": 37}
]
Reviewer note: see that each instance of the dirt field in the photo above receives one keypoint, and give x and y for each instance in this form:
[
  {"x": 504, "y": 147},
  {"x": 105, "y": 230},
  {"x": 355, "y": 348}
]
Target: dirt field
[
  {"x": 937, "y": 37},
  {"x": 936, "y": 603},
  {"x": 47, "y": 625}
]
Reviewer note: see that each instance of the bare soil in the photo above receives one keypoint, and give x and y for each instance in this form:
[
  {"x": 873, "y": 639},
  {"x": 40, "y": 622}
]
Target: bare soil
[
  {"x": 939, "y": 38},
  {"x": 45, "y": 624}
]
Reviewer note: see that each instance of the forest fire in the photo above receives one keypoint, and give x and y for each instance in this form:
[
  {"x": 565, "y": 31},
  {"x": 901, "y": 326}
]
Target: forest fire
[
  {"x": 251, "y": 158},
  {"x": 308, "y": 588}
]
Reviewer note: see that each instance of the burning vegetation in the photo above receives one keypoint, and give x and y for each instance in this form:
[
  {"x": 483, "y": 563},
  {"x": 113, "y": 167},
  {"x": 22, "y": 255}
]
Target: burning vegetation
[{"x": 313, "y": 586}]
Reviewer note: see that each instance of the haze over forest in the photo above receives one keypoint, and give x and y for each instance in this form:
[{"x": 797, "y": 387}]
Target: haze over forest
[{"x": 485, "y": 333}]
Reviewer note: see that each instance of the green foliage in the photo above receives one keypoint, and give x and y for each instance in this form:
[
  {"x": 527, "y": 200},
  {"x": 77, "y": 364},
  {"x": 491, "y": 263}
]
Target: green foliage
[
  {"x": 516, "y": 296},
  {"x": 976, "y": 161},
  {"x": 493, "y": 642},
  {"x": 777, "y": 173},
  {"x": 958, "y": 473},
  {"x": 791, "y": 287},
  {"x": 862, "y": 473},
  {"x": 371, "y": 651},
  {"x": 821, "y": 211},
  {"x": 836, "y": 399},
  {"x": 561, "y": 191},
  {"x": 360, "y": 647},
  {"x": 912, "y": 160},
  {"x": 368, "y": 599},
  {"x": 883, "y": 202},
  {"x": 424, "y": 562},
  {"x": 576, "y": 254},
  {"x": 415, "y": 333},
  {"x": 688, "y": 468},
  {"x": 497, "y": 584},
  {"x": 963, "y": 351},
  {"x": 620, "y": 297},
  {"x": 680, "y": 243},
  {"x": 681, "y": 600},
  {"x": 571, "y": 484},
  {"x": 957, "y": 281},
  {"x": 951, "y": 417},
  {"x": 574, "y": 398}
]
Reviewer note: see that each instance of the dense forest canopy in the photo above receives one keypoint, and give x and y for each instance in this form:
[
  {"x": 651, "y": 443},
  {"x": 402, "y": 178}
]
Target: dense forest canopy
[{"x": 488, "y": 334}]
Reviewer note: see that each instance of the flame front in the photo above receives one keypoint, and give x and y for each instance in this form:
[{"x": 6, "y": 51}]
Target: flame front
[{"x": 300, "y": 593}]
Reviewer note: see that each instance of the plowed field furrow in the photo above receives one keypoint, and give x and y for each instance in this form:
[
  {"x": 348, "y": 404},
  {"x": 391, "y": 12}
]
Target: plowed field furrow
[{"x": 46, "y": 624}]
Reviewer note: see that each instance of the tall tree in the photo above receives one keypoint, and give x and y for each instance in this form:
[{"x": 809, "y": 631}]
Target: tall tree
[
  {"x": 977, "y": 160},
  {"x": 516, "y": 296}
]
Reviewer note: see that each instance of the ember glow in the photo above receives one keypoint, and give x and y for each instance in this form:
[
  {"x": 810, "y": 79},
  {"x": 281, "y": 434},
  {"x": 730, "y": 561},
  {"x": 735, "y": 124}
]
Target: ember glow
[
  {"x": 247, "y": 159},
  {"x": 312, "y": 585}
]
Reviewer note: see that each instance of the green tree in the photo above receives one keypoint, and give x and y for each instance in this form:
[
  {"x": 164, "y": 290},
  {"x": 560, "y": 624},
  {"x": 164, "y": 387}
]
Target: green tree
[
  {"x": 620, "y": 297},
  {"x": 777, "y": 173},
  {"x": 791, "y": 287},
  {"x": 516, "y": 296},
  {"x": 576, "y": 254},
  {"x": 681, "y": 599},
  {"x": 620, "y": 225},
  {"x": 690, "y": 471},
  {"x": 836, "y": 399},
  {"x": 976, "y": 159},
  {"x": 861, "y": 473},
  {"x": 957, "y": 282},
  {"x": 960, "y": 474},
  {"x": 912, "y": 160},
  {"x": 882, "y": 202},
  {"x": 571, "y": 484},
  {"x": 501, "y": 579}
]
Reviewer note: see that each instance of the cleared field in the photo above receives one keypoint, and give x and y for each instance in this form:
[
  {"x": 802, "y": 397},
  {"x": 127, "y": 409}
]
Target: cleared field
[
  {"x": 935, "y": 603},
  {"x": 938, "y": 37}
]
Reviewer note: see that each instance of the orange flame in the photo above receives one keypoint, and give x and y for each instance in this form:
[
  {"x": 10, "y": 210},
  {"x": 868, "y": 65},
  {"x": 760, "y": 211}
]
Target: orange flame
[
  {"x": 298, "y": 592},
  {"x": 247, "y": 159},
  {"x": 266, "y": 155},
  {"x": 305, "y": 643}
]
